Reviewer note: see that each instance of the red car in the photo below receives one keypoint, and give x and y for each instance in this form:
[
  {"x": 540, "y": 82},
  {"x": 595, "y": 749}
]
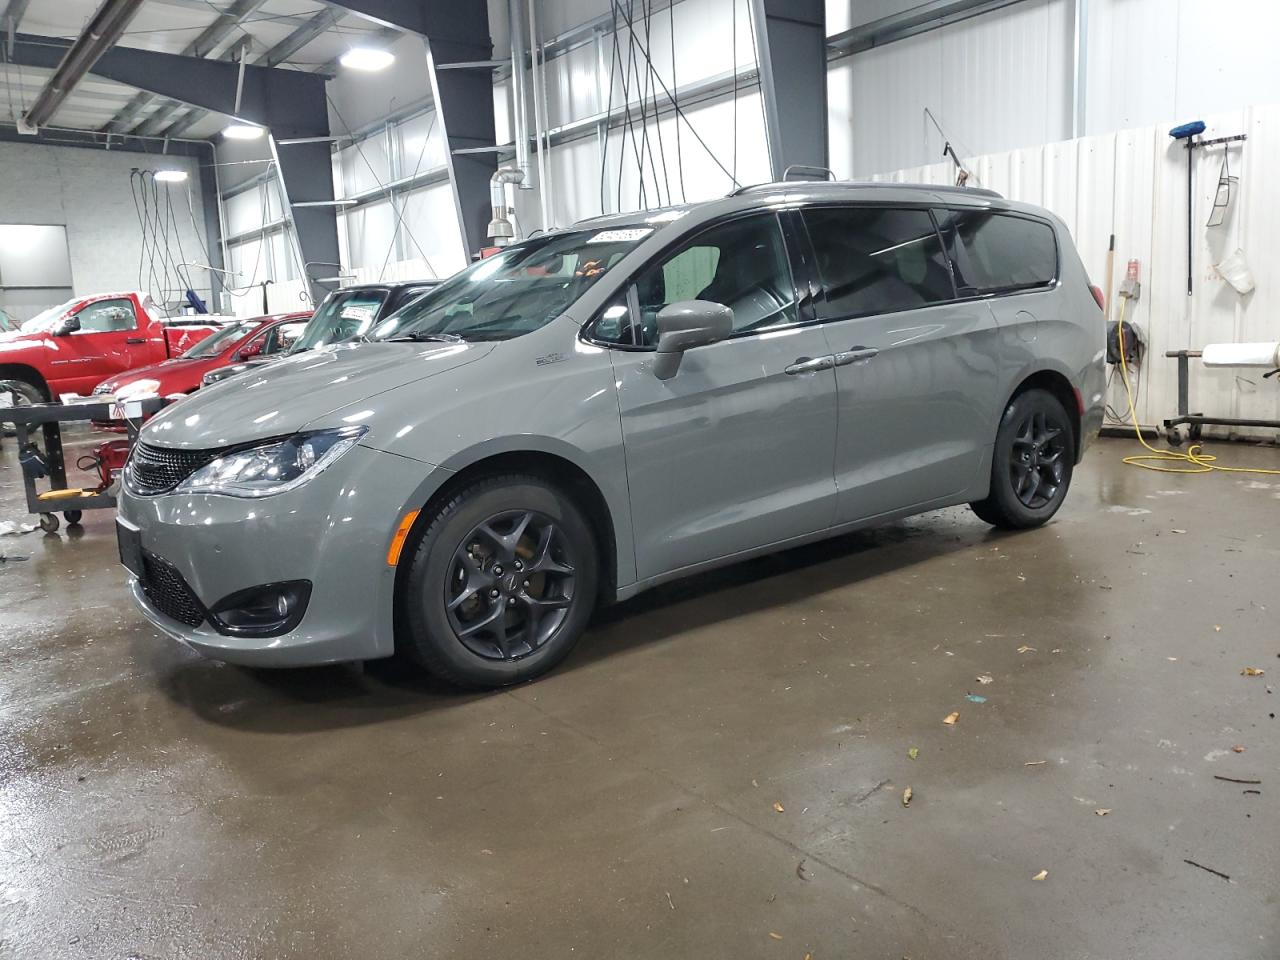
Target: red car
[
  {"x": 70, "y": 347},
  {"x": 238, "y": 341}
]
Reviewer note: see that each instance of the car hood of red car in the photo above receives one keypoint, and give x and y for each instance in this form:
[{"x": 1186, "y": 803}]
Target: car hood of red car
[{"x": 178, "y": 375}]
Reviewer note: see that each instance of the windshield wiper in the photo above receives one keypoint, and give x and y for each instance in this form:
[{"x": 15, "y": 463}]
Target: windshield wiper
[{"x": 427, "y": 338}]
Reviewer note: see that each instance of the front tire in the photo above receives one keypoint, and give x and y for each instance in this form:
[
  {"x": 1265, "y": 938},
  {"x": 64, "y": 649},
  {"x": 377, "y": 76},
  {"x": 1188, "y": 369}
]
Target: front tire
[
  {"x": 24, "y": 394},
  {"x": 1031, "y": 464},
  {"x": 500, "y": 585}
]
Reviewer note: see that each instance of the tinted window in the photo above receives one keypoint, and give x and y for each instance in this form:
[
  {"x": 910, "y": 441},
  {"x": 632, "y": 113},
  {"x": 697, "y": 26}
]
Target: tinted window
[
  {"x": 996, "y": 252},
  {"x": 741, "y": 264},
  {"x": 877, "y": 259},
  {"x": 106, "y": 316}
]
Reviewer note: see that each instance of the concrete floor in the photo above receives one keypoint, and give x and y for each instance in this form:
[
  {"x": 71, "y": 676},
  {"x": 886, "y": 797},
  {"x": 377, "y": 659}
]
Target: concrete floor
[{"x": 717, "y": 772}]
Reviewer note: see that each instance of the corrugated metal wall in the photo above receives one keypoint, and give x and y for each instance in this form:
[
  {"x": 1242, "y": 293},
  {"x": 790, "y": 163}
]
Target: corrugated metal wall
[{"x": 1134, "y": 184}]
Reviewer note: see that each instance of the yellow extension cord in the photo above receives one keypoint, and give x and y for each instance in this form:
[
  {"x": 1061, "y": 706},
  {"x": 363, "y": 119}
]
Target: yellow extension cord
[{"x": 1195, "y": 460}]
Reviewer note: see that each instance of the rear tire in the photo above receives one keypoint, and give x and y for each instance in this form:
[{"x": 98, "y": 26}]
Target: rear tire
[
  {"x": 1031, "y": 464},
  {"x": 501, "y": 584}
]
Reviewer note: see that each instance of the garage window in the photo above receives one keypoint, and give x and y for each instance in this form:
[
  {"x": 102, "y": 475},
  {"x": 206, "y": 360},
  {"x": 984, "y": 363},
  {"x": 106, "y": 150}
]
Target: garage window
[
  {"x": 877, "y": 260},
  {"x": 999, "y": 252}
]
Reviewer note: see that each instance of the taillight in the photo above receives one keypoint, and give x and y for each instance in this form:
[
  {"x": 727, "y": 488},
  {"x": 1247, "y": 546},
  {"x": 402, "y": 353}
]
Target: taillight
[{"x": 1098, "y": 296}]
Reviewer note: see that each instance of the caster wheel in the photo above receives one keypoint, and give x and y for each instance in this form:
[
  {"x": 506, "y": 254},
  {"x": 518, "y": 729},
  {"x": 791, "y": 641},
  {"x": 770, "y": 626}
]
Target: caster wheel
[
  {"x": 73, "y": 517},
  {"x": 49, "y": 522},
  {"x": 1173, "y": 436}
]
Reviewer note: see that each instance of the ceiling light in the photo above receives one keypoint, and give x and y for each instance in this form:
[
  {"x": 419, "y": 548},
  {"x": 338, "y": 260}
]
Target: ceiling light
[
  {"x": 367, "y": 58},
  {"x": 242, "y": 131},
  {"x": 171, "y": 176}
]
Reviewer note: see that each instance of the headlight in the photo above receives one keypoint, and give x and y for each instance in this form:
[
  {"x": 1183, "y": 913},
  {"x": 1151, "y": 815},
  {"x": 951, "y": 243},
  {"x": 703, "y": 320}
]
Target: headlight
[
  {"x": 143, "y": 389},
  {"x": 276, "y": 466}
]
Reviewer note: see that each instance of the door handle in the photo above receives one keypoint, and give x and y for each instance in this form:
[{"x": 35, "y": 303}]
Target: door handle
[
  {"x": 811, "y": 365},
  {"x": 136, "y": 340},
  {"x": 854, "y": 354}
]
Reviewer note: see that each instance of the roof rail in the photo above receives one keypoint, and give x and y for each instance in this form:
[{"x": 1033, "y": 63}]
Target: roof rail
[{"x": 873, "y": 184}]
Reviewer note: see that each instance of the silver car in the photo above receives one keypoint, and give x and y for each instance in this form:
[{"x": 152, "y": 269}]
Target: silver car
[{"x": 600, "y": 409}]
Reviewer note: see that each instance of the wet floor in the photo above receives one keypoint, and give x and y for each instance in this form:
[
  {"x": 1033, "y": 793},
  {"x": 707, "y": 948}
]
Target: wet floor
[{"x": 717, "y": 771}]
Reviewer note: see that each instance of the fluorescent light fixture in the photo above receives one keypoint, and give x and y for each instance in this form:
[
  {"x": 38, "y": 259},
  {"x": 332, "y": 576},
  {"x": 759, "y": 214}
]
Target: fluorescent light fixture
[
  {"x": 171, "y": 176},
  {"x": 367, "y": 58},
  {"x": 242, "y": 131}
]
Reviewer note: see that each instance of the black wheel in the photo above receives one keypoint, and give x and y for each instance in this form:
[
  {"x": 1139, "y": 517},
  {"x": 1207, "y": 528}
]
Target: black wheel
[
  {"x": 49, "y": 522},
  {"x": 19, "y": 393},
  {"x": 501, "y": 584},
  {"x": 1173, "y": 436},
  {"x": 73, "y": 517},
  {"x": 1031, "y": 464}
]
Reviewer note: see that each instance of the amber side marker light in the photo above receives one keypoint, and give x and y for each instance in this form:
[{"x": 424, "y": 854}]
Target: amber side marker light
[{"x": 402, "y": 533}]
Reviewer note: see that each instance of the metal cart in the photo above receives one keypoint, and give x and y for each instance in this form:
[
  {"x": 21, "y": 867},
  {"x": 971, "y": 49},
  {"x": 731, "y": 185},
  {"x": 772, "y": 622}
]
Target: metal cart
[
  {"x": 1194, "y": 422},
  {"x": 49, "y": 417}
]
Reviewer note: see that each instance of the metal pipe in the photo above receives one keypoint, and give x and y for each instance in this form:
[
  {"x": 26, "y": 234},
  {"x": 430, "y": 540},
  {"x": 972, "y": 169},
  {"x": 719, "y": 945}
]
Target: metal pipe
[
  {"x": 519, "y": 105},
  {"x": 539, "y": 117},
  {"x": 99, "y": 36},
  {"x": 501, "y": 230}
]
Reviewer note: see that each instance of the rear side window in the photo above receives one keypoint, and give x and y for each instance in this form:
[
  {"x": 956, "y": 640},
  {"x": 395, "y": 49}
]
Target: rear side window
[
  {"x": 999, "y": 252},
  {"x": 877, "y": 260}
]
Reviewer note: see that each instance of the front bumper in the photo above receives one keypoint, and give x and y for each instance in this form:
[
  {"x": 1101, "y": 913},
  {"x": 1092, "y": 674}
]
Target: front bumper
[{"x": 333, "y": 531}]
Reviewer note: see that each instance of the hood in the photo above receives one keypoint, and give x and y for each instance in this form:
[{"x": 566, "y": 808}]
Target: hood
[
  {"x": 13, "y": 342},
  {"x": 160, "y": 372},
  {"x": 281, "y": 398}
]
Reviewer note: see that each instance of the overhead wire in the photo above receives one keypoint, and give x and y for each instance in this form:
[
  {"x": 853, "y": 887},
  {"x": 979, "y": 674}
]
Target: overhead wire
[
  {"x": 386, "y": 190},
  {"x": 422, "y": 152}
]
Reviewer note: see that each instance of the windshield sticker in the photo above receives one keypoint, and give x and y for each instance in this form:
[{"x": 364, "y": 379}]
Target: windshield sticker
[
  {"x": 621, "y": 236},
  {"x": 357, "y": 311}
]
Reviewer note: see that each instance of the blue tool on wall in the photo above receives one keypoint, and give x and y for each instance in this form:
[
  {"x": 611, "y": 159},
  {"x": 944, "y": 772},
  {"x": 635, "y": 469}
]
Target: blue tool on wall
[{"x": 1189, "y": 132}]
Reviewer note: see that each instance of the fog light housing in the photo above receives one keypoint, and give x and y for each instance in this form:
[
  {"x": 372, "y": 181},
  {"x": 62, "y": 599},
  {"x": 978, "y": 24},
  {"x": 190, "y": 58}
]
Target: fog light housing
[{"x": 265, "y": 611}]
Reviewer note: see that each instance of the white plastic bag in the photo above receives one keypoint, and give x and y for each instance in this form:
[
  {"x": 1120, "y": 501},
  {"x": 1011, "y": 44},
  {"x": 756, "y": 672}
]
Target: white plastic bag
[{"x": 1235, "y": 270}]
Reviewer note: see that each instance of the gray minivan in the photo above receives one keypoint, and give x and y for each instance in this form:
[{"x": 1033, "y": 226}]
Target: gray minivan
[{"x": 597, "y": 410}]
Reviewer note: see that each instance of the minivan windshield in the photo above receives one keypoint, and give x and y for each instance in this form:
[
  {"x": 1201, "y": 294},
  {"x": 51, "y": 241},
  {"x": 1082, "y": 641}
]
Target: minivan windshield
[
  {"x": 344, "y": 315},
  {"x": 514, "y": 292}
]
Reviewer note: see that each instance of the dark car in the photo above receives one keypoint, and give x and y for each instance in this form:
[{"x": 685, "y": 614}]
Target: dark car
[{"x": 343, "y": 315}]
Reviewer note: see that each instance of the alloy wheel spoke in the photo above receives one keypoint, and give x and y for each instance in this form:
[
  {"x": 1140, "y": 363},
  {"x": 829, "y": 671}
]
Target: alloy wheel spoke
[
  {"x": 496, "y": 616},
  {"x": 543, "y": 561}
]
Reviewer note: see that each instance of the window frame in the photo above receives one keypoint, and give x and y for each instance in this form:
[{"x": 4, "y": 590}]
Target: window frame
[
  {"x": 790, "y": 240},
  {"x": 819, "y": 287},
  {"x": 128, "y": 301},
  {"x": 1009, "y": 291}
]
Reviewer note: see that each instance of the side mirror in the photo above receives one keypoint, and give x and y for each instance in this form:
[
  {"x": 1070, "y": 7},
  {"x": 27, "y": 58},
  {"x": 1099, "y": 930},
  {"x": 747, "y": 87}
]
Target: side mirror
[
  {"x": 68, "y": 325},
  {"x": 685, "y": 325},
  {"x": 250, "y": 350}
]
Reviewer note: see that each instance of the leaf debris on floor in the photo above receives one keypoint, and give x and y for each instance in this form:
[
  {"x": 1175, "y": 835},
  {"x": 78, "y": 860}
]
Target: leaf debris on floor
[
  {"x": 913, "y": 752},
  {"x": 907, "y": 794},
  {"x": 1041, "y": 875},
  {"x": 951, "y": 718},
  {"x": 1253, "y": 672},
  {"x": 777, "y": 805}
]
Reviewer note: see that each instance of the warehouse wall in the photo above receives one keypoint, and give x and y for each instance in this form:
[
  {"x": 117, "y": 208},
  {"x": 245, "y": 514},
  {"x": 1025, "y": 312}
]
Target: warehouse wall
[
  {"x": 997, "y": 82},
  {"x": 88, "y": 191},
  {"x": 1005, "y": 79},
  {"x": 1134, "y": 184}
]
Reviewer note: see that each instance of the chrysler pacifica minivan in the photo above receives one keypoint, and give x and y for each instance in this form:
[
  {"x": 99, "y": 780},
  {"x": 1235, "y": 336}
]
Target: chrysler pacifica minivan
[{"x": 600, "y": 409}]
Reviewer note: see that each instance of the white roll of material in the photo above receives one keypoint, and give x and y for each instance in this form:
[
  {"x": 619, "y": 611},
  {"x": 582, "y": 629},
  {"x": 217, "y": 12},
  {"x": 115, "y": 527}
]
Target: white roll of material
[{"x": 1242, "y": 355}]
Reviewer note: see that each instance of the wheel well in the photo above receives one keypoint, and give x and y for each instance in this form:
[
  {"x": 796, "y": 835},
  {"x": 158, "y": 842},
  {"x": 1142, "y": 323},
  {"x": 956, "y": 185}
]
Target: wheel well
[
  {"x": 17, "y": 371},
  {"x": 1060, "y": 387},
  {"x": 557, "y": 471}
]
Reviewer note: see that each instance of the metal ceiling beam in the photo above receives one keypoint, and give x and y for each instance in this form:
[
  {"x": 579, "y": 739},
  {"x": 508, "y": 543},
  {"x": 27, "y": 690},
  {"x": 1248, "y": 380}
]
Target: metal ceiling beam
[
  {"x": 454, "y": 33},
  {"x": 299, "y": 37},
  {"x": 98, "y": 36},
  {"x": 899, "y": 26},
  {"x": 208, "y": 41},
  {"x": 791, "y": 38},
  {"x": 11, "y": 20}
]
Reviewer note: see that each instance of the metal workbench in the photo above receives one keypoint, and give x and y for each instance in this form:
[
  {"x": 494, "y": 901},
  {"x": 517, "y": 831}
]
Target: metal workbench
[{"x": 48, "y": 418}]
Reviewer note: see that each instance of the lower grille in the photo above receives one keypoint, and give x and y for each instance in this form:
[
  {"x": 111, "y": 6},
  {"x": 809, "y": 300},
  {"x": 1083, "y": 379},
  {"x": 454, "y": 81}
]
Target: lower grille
[
  {"x": 168, "y": 592},
  {"x": 153, "y": 470}
]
